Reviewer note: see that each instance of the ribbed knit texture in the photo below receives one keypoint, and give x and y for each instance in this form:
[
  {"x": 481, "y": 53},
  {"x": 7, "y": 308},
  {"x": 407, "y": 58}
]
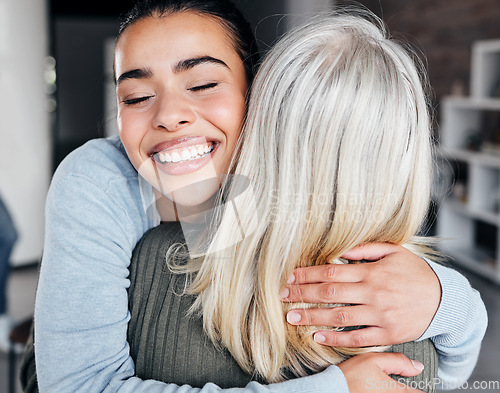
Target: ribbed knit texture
[
  {"x": 165, "y": 343},
  {"x": 424, "y": 352}
]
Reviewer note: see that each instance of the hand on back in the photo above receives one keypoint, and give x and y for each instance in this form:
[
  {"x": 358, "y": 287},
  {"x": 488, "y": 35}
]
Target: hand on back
[
  {"x": 369, "y": 372},
  {"x": 395, "y": 297}
]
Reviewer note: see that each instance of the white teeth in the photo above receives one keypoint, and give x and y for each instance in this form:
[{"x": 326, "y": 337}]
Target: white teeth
[
  {"x": 176, "y": 157},
  {"x": 185, "y": 155},
  {"x": 188, "y": 154}
]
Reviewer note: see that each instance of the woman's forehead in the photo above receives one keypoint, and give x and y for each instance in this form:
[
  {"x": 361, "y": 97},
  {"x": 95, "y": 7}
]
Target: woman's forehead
[
  {"x": 174, "y": 37},
  {"x": 184, "y": 28}
]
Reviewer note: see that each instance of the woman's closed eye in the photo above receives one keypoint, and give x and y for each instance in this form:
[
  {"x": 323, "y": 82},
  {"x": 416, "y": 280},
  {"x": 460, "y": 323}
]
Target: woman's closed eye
[
  {"x": 137, "y": 100},
  {"x": 142, "y": 99},
  {"x": 206, "y": 86}
]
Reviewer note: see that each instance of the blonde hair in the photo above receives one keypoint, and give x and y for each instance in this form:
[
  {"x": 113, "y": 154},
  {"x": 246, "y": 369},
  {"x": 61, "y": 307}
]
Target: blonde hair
[{"x": 336, "y": 148}]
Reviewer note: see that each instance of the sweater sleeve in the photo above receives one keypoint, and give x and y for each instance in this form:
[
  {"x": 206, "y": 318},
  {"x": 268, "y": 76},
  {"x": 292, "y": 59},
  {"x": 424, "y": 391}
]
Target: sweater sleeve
[
  {"x": 81, "y": 312},
  {"x": 457, "y": 329}
]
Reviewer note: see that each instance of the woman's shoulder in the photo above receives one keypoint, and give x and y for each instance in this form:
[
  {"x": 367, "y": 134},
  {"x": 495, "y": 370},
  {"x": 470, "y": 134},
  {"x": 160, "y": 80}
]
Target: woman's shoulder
[
  {"x": 100, "y": 160},
  {"x": 98, "y": 176}
]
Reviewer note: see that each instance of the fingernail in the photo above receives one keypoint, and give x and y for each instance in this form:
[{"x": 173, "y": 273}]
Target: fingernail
[
  {"x": 319, "y": 338},
  {"x": 293, "y": 317},
  {"x": 285, "y": 293},
  {"x": 419, "y": 366},
  {"x": 291, "y": 279}
]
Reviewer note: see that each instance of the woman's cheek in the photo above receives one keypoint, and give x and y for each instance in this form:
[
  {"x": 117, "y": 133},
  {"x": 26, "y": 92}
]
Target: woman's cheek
[
  {"x": 226, "y": 113},
  {"x": 132, "y": 130}
]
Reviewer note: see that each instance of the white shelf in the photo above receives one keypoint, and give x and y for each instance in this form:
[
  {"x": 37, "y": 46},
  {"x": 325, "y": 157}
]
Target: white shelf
[
  {"x": 485, "y": 67},
  {"x": 470, "y": 229},
  {"x": 480, "y": 103},
  {"x": 475, "y": 260},
  {"x": 471, "y": 157},
  {"x": 464, "y": 209}
]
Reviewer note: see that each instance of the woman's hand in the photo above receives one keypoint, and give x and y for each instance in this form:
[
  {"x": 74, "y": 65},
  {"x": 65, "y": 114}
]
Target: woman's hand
[
  {"x": 369, "y": 372},
  {"x": 395, "y": 297}
]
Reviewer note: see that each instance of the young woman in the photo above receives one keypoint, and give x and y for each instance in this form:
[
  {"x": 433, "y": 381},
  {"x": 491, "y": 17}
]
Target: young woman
[{"x": 175, "y": 90}]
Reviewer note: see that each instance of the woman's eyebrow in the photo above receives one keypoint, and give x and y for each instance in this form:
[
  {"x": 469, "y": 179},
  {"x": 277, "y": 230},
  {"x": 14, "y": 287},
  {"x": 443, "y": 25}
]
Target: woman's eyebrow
[
  {"x": 138, "y": 73},
  {"x": 183, "y": 65},
  {"x": 187, "y": 64}
]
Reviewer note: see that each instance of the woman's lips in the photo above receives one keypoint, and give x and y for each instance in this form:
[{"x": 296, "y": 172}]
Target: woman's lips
[
  {"x": 186, "y": 157},
  {"x": 179, "y": 143}
]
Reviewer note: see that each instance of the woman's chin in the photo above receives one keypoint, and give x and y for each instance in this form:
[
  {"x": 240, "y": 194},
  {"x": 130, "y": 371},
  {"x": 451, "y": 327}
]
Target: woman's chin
[
  {"x": 194, "y": 198},
  {"x": 193, "y": 190}
]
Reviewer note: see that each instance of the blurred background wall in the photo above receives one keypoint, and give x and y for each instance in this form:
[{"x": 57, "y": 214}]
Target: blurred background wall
[
  {"x": 26, "y": 135},
  {"x": 444, "y": 31}
]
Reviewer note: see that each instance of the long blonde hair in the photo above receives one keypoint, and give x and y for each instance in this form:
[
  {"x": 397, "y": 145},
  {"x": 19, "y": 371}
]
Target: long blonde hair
[{"x": 336, "y": 149}]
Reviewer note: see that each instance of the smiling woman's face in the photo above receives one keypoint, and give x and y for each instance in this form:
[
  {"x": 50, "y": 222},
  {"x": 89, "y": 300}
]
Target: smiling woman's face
[{"x": 181, "y": 90}]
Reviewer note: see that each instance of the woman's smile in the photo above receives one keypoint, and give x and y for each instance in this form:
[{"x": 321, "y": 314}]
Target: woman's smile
[{"x": 184, "y": 155}]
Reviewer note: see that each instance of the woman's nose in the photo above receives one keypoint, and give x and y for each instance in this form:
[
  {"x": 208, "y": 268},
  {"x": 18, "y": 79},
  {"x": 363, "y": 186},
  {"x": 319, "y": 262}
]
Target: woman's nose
[{"x": 173, "y": 113}]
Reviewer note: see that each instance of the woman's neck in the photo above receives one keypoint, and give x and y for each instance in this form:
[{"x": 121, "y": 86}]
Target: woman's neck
[{"x": 169, "y": 210}]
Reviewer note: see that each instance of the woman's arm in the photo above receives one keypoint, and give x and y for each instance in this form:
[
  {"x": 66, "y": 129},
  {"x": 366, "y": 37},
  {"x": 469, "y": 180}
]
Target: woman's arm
[
  {"x": 400, "y": 298},
  {"x": 458, "y": 327}
]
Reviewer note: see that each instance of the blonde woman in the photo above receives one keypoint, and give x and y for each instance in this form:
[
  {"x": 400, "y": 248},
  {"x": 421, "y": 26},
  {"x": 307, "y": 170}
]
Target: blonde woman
[{"x": 335, "y": 153}]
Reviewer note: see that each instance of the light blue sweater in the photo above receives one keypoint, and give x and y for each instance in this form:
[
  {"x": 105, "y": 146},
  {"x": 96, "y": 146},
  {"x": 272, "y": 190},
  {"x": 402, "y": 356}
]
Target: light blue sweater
[{"x": 95, "y": 215}]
